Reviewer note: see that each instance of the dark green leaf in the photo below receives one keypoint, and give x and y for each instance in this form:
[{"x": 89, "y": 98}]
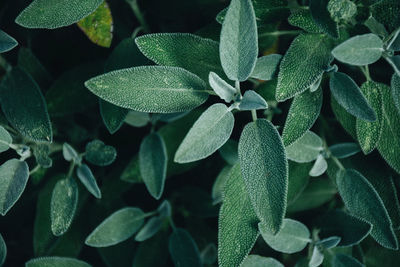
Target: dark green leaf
[
  {"x": 342, "y": 260},
  {"x": 321, "y": 16},
  {"x": 41, "y": 153},
  {"x": 395, "y": 88},
  {"x": 347, "y": 120},
  {"x": 138, "y": 119},
  {"x": 5, "y": 139},
  {"x": 32, "y": 65},
  {"x": 85, "y": 175},
  {"x": 152, "y": 252},
  {"x": 252, "y": 101},
  {"x": 56, "y": 262},
  {"x": 298, "y": 180},
  {"x": 344, "y": 150},
  {"x": 258, "y": 261},
  {"x": 183, "y": 249},
  {"x": 209, "y": 254},
  {"x": 219, "y": 184},
  {"x": 113, "y": 116},
  {"x": 99, "y": 154},
  {"x": 229, "y": 152},
  {"x": 266, "y": 67},
  {"x": 6, "y": 42},
  {"x": 385, "y": 12},
  {"x": 151, "y": 227},
  {"x": 302, "y": 18},
  {"x": 3, "y": 250}
]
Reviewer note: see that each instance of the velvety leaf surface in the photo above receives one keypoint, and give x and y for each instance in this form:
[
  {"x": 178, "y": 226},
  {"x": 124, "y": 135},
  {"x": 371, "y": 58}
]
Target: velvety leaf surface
[
  {"x": 99, "y": 154},
  {"x": 319, "y": 167},
  {"x": 5, "y": 139},
  {"x": 321, "y": 16},
  {"x": 149, "y": 229},
  {"x": 386, "y": 13},
  {"x": 298, "y": 180},
  {"x": 395, "y": 88},
  {"x": 6, "y": 42},
  {"x": 252, "y": 101},
  {"x": 56, "y": 261},
  {"x": 223, "y": 89},
  {"x": 305, "y": 149},
  {"x": 183, "y": 249},
  {"x": 302, "y": 18},
  {"x": 266, "y": 67},
  {"x": 342, "y": 260},
  {"x": 85, "y": 175},
  {"x": 112, "y": 115},
  {"x": 258, "y": 261}
]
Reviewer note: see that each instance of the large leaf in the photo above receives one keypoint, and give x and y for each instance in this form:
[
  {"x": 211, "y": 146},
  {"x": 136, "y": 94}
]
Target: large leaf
[
  {"x": 24, "y": 106},
  {"x": 266, "y": 67},
  {"x": 385, "y": 12},
  {"x": 237, "y": 223},
  {"x": 265, "y": 171},
  {"x": 56, "y": 262},
  {"x": 238, "y": 44},
  {"x": 150, "y": 89},
  {"x": 320, "y": 14},
  {"x": 258, "y": 261},
  {"x": 305, "y": 149},
  {"x": 6, "y": 42},
  {"x": 208, "y": 134},
  {"x": 183, "y": 249},
  {"x": 395, "y": 88},
  {"x": 303, "y": 64},
  {"x": 302, "y": 18},
  {"x": 55, "y": 14},
  {"x": 13, "y": 176}
]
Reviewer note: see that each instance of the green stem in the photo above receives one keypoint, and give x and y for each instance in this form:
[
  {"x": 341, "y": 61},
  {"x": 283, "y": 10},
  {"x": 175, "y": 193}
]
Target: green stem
[
  {"x": 71, "y": 169},
  {"x": 365, "y": 71},
  {"x": 37, "y": 167},
  {"x": 254, "y": 114},
  {"x": 237, "y": 86},
  {"x": 279, "y": 33},
  {"x": 139, "y": 15},
  {"x": 338, "y": 163}
]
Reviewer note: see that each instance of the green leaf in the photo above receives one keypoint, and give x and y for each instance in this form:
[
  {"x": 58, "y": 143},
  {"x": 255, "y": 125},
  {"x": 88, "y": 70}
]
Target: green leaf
[
  {"x": 302, "y": 115},
  {"x": 317, "y": 257},
  {"x": 293, "y": 237},
  {"x": 395, "y": 89},
  {"x": 150, "y": 89},
  {"x": 344, "y": 150},
  {"x": 342, "y": 260},
  {"x": 116, "y": 228},
  {"x": 357, "y": 194},
  {"x": 99, "y": 154},
  {"x": 376, "y": 27},
  {"x": 237, "y": 222},
  {"x": 258, "y": 261},
  {"x": 252, "y": 101},
  {"x": 385, "y": 12},
  {"x": 347, "y": 120},
  {"x": 49, "y": 15},
  {"x": 219, "y": 184},
  {"x": 207, "y": 135},
  {"x": 359, "y": 50},
  {"x": 32, "y": 65},
  {"x": 5, "y": 139},
  {"x": 64, "y": 201},
  {"x": 349, "y": 96},
  {"x": 329, "y": 242},
  {"x": 24, "y": 106},
  {"x": 6, "y": 42},
  {"x": 369, "y": 133},
  {"x": 209, "y": 254},
  {"x": 41, "y": 153},
  {"x": 302, "y": 18},
  {"x": 153, "y": 160},
  {"x": 3, "y": 250},
  {"x": 264, "y": 167},
  {"x": 342, "y": 9},
  {"x": 319, "y": 167},
  {"x": 229, "y": 152},
  {"x": 56, "y": 262},
  {"x": 266, "y": 67},
  {"x": 184, "y": 251},
  {"x": 305, "y": 149},
  {"x": 152, "y": 226},
  {"x": 238, "y": 47},
  {"x": 98, "y": 26},
  {"x": 389, "y": 143},
  {"x": 138, "y": 119},
  {"x": 13, "y": 176},
  {"x": 321, "y": 16},
  {"x": 298, "y": 180},
  {"x": 152, "y": 252},
  {"x": 70, "y": 153},
  {"x": 85, "y": 175},
  {"x": 112, "y": 115},
  {"x": 394, "y": 42},
  {"x": 193, "y": 53},
  {"x": 223, "y": 89},
  {"x": 303, "y": 64}
]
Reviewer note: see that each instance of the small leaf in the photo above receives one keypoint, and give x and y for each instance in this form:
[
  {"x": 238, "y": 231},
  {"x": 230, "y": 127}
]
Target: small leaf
[
  {"x": 164, "y": 209},
  {"x": 153, "y": 164},
  {"x": 70, "y": 153},
  {"x": 137, "y": 119},
  {"x": 329, "y": 242},
  {"x": 349, "y": 96},
  {"x": 293, "y": 237},
  {"x": 13, "y": 176},
  {"x": 85, "y": 175},
  {"x": 305, "y": 149},
  {"x": 344, "y": 150},
  {"x": 112, "y": 115},
  {"x": 375, "y": 27},
  {"x": 184, "y": 251},
  {"x": 319, "y": 167},
  {"x": 342, "y": 260},
  {"x": 116, "y": 228},
  {"x": 24, "y": 106},
  {"x": 6, "y": 42},
  {"x": 5, "y": 139},
  {"x": 238, "y": 44},
  {"x": 47, "y": 15},
  {"x": 317, "y": 257},
  {"x": 64, "y": 201},
  {"x": 150, "y": 89},
  {"x": 321, "y": 16},
  {"x": 342, "y": 9},
  {"x": 149, "y": 229},
  {"x": 56, "y": 262},
  {"x": 395, "y": 89},
  {"x": 266, "y": 67},
  {"x": 264, "y": 168},
  {"x": 99, "y": 154},
  {"x": 209, "y": 254},
  {"x": 223, "y": 89},
  {"x": 207, "y": 135},
  {"x": 258, "y": 261},
  {"x": 41, "y": 153},
  {"x": 359, "y": 50},
  {"x": 303, "y": 113},
  {"x": 3, "y": 250},
  {"x": 252, "y": 101},
  {"x": 237, "y": 222},
  {"x": 357, "y": 193}
]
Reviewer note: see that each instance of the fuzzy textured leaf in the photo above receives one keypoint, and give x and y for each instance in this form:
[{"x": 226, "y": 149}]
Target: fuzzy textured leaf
[
  {"x": 266, "y": 67},
  {"x": 183, "y": 249},
  {"x": 99, "y": 154},
  {"x": 151, "y": 227},
  {"x": 395, "y": 89},
  {"x": 223, "y": 89},
  {"x": 258, "y": 261},
  {"x": 6, "y": 42},
  {"x": 56, "y": 262},
  {"x": 321, "y": 16},
  {"x": 252, "y": 101},
  {"x": 5, "y": 139},
  {"x": 85, "y": 175},
  {"x": 305, "y": 149}
]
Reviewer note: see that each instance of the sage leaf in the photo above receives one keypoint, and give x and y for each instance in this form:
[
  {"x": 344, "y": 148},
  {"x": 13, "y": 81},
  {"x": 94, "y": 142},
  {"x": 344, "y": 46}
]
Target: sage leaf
[
  {"x": 5, "y": 139},
  {"x": 385, "y": 12},
  {"x": 164, "y": 209},
  {"x": 237, "y": 222},
  {"x": 48, "y": 15},
  {"x": 264, "y": 168},
  {"x": 342, "y": 260},
  {"x": 13, "y": 176},
  {"x": 238, "y": 47},
  {"x": 302, "y": 115},
  {"x": 219, "y": 184},
  {"x": 359, "y": 50},
  {"x": 112, "y": 115},
  {"x": 317, "y": 257},
  {"x": 344, "y": 150},
  {"x": 85, "y": 175},
  {"x": 342, "y": 10},
  {"x": 56, "y": 261},
  {"x": 357, "y": 193},
  {"x": 229, "y": 152},
  {"x": 3, "y": 250},
  {"x": 395, "y": 89},
  {"x": 209, "y": 254},
  {"x": 258, "y": 261},
  {"x": 138, "y": 119},
  {"x": 116, "y": 228},
  {"x": 376, "y": 27},
  {"x": 223, "y": 89},
  {"x": 298, "y": 180},
  {"x": 303, "y": 64},
  {"x": 149, "y": 229},
  {"x": 41, "y": 153},
  {"x": 207, "y": 135},
  {"x": 293, "y": 237},
  {"x": 349, "y": 96},
  {"x": 191, "y": 52},
  {"x": 329, "y": 242},
  {"x": 6, "y": 42},
  {"x": 305, "y": 149},
  {"x": 320, "y": 14},
  {"x": 153, "y": 164},
  {"x": 319, "y": 167},
  {"x": 70, "y": 153},
  {"x": 99, "y": 154},
  {"x": 347, "y": 120},
  {"x": 183, "y": 249},
  {"x": 252, "y": 101},
  {"x": 266, "y": 67},
  {"x": 24, "y": 106},
  {"x": 394, "y": 43},
  {"x": 369, "y": 133},
  {"x": 302, "y": 18},
  {"x": 150, "y": 89},
  {"x": 28, "y": 62},
  {"x": 64, "y": 201}
]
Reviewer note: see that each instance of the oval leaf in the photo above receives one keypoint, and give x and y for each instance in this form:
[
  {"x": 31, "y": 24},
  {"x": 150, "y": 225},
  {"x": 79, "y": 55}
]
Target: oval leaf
[
  {"x": 266, "y": 67},
  {"x": 305, "y": 149},
  {"x": 258, "y": 261},
  {"x": 56, "y": 262},
  {"x": 223, "y": 89},
  {"x": 252, "y": 101},
  {"x": 5, "y": 139},
  {"x": 6, "y": 42},
  {"x": 320, "y": 14},
  {"x": 183, "y": 249},
  {"x": 319, "y": 166},
  {"x": 344, "y": 150},
  {"x": 99, "y": 154},
  {"x": 86, "y": 176},
  {"x": 149, "y": 229},
  {"x": 342, "y": 260}
]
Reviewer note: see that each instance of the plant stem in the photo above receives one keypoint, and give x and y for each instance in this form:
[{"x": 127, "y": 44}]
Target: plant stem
[
  {"x": 279, "y": 33},
  {"x": 138, "y": 14},
  {"x": 338, "y": 163},
  {"x": 254, "y": 114},
  {"x": 365, "y": 70},
  {"x": 37, "y": 167},
  {"x": 237, "y": 86},
  {"x": 71, "y": 169}
]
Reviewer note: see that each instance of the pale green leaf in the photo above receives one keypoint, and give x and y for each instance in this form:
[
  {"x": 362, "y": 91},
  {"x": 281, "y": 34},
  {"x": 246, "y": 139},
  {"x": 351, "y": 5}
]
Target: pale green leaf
[
  {"x": 321, "y": 16},
  {"x": 344, "y": 150},
  {"x": 305, "y": 149},
  {"x": 56, "y": 262},
  {"x": 219, "y": 184},
  {"x": 238, "y": 44},
  {"x": 266, "y": 67},
  {"x": 150, "y": 89},
  {"x": 70, "y": 153},
  {"x": 85, "y": 175},
  {"x": 223, "y": 89},
  {"x": 264, "y": 168},
  {"x": 99, "y": 154},
  {"x": 317, "y": 257},
  {"x": 342, "y": 260},
  {"x": 375, "y": 27},
  {"x": 138, "y": 119},
  {"x": 5, "y": 139},
  {"x": 341, "y": 9},
  {"x": 55, "y": 14},
  {"x": 395, "y": 89},
  {"x": 258, "y": 261},
  {"x": 3, "y": 250},
  {"x": 151, "y": 227},
  {"x": 207, "y": 135},
  {"x": 6, "y": 42},
  {"x": 183, "y": 249},
  {"x": 252, "y": 101},
  {"x": 116, "y": 228},
  {"x": 319, "y": 167}
]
